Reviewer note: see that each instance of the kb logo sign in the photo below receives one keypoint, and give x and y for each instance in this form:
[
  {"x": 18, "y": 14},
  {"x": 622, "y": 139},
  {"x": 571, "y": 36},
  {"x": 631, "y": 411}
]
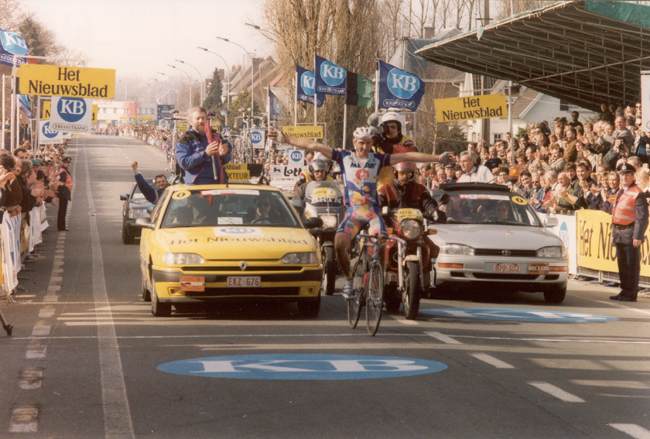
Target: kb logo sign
[
  {"x": 49, "y": 132},
  {"x": 302, "y": 367},
  {"x": 307, "y": 83},
  {"x": 48, "y": 135},
  {"x": 14, "y": 43},
  {"x": 71, "y": 114},
  {"x": 71, "y": 109},
  {"x": 402, "y": 84},
  {"x": 257, "y": 137},
  {"x": 332, "y": 74}
]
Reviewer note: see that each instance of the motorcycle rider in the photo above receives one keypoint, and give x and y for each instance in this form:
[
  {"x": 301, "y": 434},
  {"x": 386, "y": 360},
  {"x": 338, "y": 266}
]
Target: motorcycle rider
[
  {"x": 404, "y": 193},
  {"x": 306, "y": 177},
  {"x": 391, "y": 141},
  {"x": 318, "y": 171}
]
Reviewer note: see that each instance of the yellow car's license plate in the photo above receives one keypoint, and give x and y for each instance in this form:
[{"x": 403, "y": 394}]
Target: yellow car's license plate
[{"x": 244, "y": 281}]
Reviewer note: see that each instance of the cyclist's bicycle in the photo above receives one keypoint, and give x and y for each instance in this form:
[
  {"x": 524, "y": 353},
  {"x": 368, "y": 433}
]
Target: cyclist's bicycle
[{"x": 367, "y": 283}]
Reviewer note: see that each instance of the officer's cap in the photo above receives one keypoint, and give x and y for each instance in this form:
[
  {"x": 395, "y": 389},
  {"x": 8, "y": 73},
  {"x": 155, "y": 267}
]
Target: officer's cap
[{"x": 625, "y": 168}]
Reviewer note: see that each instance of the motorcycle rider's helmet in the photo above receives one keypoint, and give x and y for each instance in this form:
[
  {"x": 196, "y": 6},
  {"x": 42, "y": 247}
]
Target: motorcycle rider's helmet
[
  {"x": 336, "y": 171},
  {"x": 405, "y": 167},
  {"x": 317, "y": 165},
  {"x": 392, "y": 116}
]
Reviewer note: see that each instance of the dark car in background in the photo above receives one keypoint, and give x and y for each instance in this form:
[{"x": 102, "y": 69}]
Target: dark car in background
[{"x": 135, "y": 206}]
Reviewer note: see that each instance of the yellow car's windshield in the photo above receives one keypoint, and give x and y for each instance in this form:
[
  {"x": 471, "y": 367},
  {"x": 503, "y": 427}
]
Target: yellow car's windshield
[{"x": 217, "y": 207}]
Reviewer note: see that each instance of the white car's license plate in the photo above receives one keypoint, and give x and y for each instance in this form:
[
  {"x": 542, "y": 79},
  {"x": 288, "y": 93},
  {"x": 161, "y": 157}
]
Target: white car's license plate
[
  {"x": 244, "y": 281},
  {"x": 507, "y": 268}
]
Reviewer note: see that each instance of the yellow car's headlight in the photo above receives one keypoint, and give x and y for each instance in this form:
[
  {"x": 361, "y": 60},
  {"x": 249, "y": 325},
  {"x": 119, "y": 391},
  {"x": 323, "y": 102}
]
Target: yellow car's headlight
[
  {"x": 300, "y": 258},
  {"x": 182, "y": 259}
]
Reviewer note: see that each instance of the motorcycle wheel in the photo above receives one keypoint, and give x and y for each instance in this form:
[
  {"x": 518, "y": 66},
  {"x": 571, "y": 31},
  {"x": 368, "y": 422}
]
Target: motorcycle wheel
[
  {"x": 411, "y": 295},
  {"x": 329, "y": 273}
]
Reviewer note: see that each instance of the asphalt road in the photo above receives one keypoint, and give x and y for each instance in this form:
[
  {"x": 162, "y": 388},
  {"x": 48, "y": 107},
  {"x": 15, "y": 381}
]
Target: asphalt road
[{"x": 88, "y": 360}]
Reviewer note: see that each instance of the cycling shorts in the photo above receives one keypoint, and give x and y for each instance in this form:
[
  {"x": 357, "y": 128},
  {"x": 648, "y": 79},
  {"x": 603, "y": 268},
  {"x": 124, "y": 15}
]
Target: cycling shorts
[{"x": 357, "y": 217}]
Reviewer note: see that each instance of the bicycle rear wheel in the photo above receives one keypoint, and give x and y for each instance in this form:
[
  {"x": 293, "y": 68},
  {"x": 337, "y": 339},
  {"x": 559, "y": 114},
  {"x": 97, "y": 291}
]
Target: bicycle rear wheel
[
  {"x": 354, "y": 304},
  {"x": 374, "y": 298}
]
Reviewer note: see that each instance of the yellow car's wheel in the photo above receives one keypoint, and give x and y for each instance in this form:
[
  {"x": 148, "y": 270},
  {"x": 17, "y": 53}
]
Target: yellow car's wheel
[{"x": 159, "y": 309}]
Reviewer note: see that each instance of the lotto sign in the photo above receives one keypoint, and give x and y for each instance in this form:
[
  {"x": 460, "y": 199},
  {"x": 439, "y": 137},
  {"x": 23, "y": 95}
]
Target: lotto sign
[
  {"x": 76, "y": 82},
  {"x": 49, "y": 135},
  {"x": 398, "y": 88},
  {"x": 302, "y": 367},
  {"x": 257, "y": 138},
  {"x": 330, "y": 78},
  {"x": 71, "y": 114}
]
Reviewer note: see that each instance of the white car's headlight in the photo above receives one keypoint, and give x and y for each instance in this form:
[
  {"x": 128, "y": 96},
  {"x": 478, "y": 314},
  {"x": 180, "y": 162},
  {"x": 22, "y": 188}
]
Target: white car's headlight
[
  {"x": 551, "y": 252},
  {"x": 329, "y": 220},
  {"x": 410, "y": 228},
  {"x": 182, "y": 259},
  {"x": 457, "y": 250},
  {"x": 138, "y": 213},
  {"x": 300, "y": 258}
]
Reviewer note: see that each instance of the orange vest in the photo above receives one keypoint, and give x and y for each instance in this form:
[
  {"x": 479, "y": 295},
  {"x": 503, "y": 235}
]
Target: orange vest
[
  {"x": 68, "y": 180},
  {"x": 624, "y": 210}
]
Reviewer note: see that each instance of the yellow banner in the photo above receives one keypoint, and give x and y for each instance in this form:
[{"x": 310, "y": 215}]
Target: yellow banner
[
  {"x": 181, "y": 127},
  {"x": 76, "y": 82},
  {"x": 237, "y": 175},
  {"x": 235, "y": 167},
  {"x": 304, "y": 132},
  {"x": 595, "y": 247},
  {"x": 95, "y": 111},
  {"x": 471, "y": 107}
]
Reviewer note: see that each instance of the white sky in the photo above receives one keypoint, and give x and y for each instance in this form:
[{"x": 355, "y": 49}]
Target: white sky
[{"x": 140, "y": 37}]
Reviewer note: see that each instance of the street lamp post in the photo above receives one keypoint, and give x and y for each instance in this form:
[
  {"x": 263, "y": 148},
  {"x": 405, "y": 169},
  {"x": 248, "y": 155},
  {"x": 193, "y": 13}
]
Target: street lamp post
[
  {"x": 200, "y": 77},
  {"x": 177, "y": 101},
  {"x": 227, "y": 71},
  {"x": 252, "y": 73},
  {"x": 189, "y": 78}
]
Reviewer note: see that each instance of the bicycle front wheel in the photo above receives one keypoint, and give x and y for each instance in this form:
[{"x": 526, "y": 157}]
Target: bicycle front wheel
[
  {"x": 354, "y": 304},
  {"x": 374, "y": 298}
]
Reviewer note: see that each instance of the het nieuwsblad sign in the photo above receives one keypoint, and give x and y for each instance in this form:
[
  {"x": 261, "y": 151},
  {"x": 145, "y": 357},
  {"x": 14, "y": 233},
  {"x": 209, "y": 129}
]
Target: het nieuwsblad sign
[
  {"x": 76, "y": 82},
  {"x": 471, "y": 107}
]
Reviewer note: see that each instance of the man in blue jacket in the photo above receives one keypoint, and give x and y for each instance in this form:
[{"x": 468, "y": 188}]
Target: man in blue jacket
[
  {"x": 195, "y": 154},
  {"x": 149, "y": 192}
]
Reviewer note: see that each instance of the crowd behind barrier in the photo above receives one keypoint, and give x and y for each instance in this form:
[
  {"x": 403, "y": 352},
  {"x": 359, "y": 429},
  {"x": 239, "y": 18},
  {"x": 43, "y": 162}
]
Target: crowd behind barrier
[{"x": 29, "y": 181}]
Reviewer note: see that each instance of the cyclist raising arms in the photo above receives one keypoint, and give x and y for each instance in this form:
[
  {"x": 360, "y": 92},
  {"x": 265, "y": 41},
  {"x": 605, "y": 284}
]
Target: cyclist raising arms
[{"x": 360, "y": 169}]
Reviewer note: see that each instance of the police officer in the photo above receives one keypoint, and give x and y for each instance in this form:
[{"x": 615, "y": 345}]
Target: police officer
[
  {"x": 65, "y": 193},
  {"x": 629, "y": 223}
]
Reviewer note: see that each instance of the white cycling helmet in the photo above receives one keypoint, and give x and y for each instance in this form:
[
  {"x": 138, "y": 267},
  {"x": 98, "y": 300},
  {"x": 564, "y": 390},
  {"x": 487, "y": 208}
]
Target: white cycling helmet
[
  {"x": 392, "y": 116},
  {"x": 364, "y": 133}
]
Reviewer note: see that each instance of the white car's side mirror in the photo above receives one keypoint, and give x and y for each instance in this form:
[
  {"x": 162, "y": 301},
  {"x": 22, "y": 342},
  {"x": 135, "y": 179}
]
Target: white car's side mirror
[{"x": 550, "y": 222}]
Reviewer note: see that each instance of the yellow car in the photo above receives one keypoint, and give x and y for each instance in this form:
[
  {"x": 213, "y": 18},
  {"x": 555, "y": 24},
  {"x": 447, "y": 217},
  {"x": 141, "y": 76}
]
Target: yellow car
[{"x": 221, "y": 242}]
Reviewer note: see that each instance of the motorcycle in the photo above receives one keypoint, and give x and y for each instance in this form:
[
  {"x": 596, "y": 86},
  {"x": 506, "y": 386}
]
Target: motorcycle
[
  {"x": 407, "y": 260},
  {"x": 324, "y": 199}
]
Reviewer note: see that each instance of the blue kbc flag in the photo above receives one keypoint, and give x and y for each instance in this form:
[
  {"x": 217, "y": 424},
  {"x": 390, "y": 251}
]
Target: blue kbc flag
[
  {"x": 305, "y": 87},
  {"x": 330, "y": 78},
  {"x": 12, "y": 44},
  {"x": 25, "y": 106},
  {"x": 275, "y": 110},
  {"x": 398, "y": 88}
]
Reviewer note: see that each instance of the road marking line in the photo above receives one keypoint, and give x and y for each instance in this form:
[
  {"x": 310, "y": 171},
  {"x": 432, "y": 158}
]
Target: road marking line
[
  {"x": 489, "y": 359},
  {"x": 56, "y": 279},
  {"x": 633, "y": 430},
  {"x": 41, "y": 330},
  {"x": 51, "y": 298},
  {"x": 36, "y": 353},
  {"x": 443, "y": 338},
  {"x": 54, "y": 288},
  {"x": 46, "y": 312},
  {"x": 24, "y": 420},
  {"x": 117, "y": 414},
  {"x": 555, "y": 391},
  {"x": 31, "y": 378}
]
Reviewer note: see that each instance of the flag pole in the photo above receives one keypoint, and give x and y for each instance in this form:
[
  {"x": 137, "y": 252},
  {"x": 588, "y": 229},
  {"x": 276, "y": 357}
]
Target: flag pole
[
  {"x": 377, "y": 77},
  {"x": 345, "y": 112},
  {"x": 295, "y": 101},
  {"x": 315, "y": 94}
]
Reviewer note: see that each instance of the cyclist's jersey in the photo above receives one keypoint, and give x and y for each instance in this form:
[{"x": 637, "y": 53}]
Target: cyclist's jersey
[
  {"x": 360, "y": 179},
  {"x": 404, "y": 144}
]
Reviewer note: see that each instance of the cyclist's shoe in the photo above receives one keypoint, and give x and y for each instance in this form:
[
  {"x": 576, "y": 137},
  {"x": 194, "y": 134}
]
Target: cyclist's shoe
[{"x": 347, "y": 290}]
